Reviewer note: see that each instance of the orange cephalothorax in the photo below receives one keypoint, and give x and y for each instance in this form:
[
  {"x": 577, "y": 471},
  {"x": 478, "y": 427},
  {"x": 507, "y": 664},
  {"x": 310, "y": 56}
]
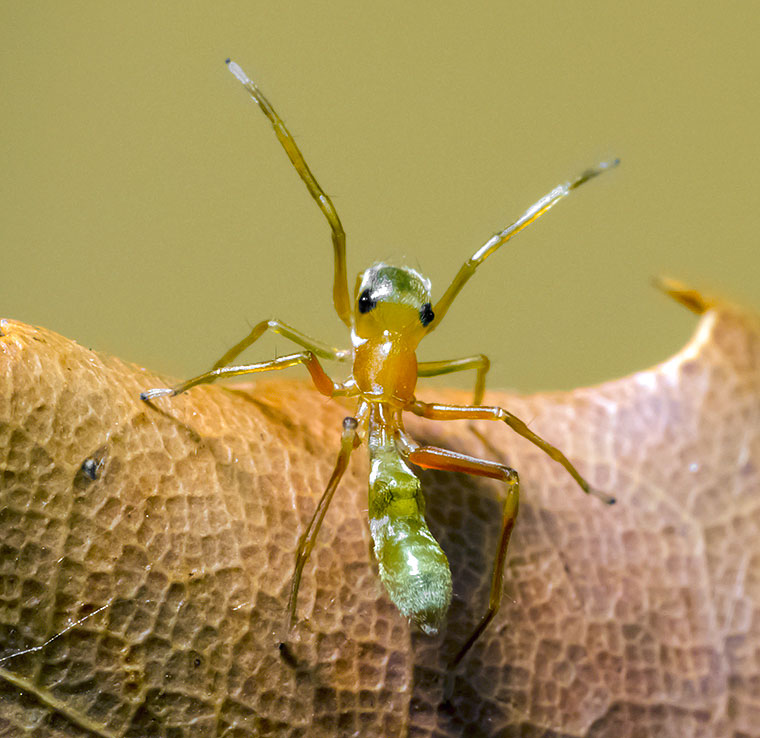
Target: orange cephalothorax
[
  {"x": 392, "y": 311},
  {"x": 385, "y": 369}
]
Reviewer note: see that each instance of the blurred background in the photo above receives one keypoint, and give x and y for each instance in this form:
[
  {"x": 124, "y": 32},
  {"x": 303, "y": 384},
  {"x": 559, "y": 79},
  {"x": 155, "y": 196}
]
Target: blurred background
[{"x": 147, "y": 209}]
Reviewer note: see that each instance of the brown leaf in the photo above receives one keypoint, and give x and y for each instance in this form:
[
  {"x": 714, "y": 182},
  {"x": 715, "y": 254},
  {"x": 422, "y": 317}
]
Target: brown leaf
[{"x": 147, "y": 554}]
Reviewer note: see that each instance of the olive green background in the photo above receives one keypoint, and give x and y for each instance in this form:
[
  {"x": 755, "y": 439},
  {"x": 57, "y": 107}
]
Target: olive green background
[{"x": 147, "y": 209}]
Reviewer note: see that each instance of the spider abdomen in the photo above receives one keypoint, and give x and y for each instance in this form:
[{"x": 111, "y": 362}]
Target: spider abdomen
[{"x": 412, "y": 566}]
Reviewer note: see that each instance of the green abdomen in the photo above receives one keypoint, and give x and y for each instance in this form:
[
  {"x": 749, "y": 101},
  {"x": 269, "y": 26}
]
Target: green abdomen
[{"x": 412, "y": 565}]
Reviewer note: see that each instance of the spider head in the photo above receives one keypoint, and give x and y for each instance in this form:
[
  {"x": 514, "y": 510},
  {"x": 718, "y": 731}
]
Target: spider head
[{"x": 392, "y": 299}]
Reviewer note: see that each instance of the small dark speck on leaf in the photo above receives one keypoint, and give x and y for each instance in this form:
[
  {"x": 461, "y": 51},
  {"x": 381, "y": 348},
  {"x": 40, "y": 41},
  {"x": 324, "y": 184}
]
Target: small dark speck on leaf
[{"x": 287, "y": 655}]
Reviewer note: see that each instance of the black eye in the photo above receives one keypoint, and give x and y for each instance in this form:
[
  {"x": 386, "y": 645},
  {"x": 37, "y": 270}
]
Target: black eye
[
  {"x": 426, "y": 314},
  {"x": 366, "y": 303}
]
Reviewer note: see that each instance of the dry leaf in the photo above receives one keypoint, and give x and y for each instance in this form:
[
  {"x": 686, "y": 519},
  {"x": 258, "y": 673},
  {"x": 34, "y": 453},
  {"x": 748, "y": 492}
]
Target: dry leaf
[{"x": 147, "y": 554}]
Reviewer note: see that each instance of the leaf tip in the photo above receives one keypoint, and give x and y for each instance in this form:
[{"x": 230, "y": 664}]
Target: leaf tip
[{"x": 689, "y": 298}]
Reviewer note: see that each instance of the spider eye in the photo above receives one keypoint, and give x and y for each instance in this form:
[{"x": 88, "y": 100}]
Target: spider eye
[
  {"x": 426, "y": 314},
  {"x": 366, "y": 303}
]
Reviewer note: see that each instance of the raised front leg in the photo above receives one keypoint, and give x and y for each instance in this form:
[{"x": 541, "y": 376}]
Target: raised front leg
[
  {"x": 533, "y": 213},
  {"x": 341, "y": 298}
]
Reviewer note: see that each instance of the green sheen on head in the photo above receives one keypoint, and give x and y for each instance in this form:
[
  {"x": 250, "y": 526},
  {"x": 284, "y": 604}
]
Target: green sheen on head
[
  {"x": 398, "y": 284},
  {"x": 392, "y": 298}
]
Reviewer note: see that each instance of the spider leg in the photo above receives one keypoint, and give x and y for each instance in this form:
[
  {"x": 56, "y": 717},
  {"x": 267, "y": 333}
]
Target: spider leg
[
  {"x": 277, "y": 326},
  {"x": 431, "y": 457},
  {"x": 318, "y": 375},
  {"x": 479, "y": 362},
  {"x": 349, "y": 440},
  {"x": 341, "y": 298},
  {"x": 533, "y": 213},
  {"x": 468, "y": 412}
]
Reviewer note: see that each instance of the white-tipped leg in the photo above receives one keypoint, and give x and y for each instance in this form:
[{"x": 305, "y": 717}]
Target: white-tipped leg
[
  {"x": 234, "y": 67},
  {"x": 151, "y": 394},
  {"x": 341, "y": 298},
  {"x": 603, "y": 496},
  {"x": 477, "y": 412}
]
